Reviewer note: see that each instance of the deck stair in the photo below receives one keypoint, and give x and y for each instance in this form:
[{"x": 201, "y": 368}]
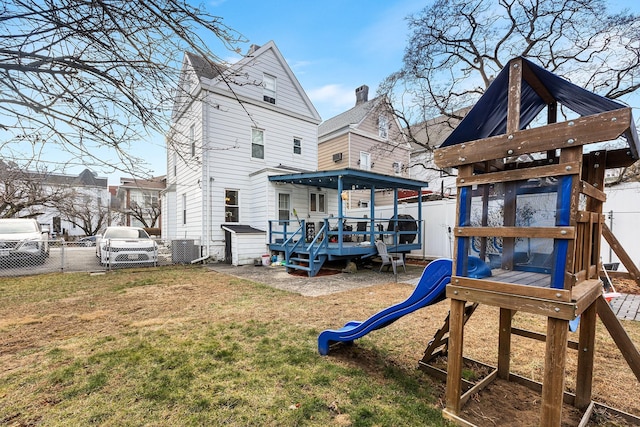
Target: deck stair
[{"x": 306, "y": 256}]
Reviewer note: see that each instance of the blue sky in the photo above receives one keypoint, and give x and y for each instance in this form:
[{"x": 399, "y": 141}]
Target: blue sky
[{"x": 332, "y": 46}]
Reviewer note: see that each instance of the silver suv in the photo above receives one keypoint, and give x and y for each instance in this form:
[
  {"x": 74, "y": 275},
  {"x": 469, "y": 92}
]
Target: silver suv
[{"x": 23, "y": 239}]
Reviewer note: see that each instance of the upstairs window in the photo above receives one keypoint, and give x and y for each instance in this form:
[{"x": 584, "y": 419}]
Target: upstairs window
[
  {"x": 192, "y": 140},
  {"x": 231, "y": 206},
  {"x": 383, "y": 127},
  {"x": 269, "y": 89},
  {"x": 257, "y": 144},
  {"x": 297, "y": 146},
  {"x": 397, "y": 168},
  {"x": 365, "y": 161}
]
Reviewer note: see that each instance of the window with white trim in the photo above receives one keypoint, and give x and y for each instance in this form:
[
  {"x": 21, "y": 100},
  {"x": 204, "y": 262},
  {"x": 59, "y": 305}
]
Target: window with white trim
[
  {"x": 257, "y": 143},
  {"x": 231, "y": 206},
  {"x": 297, "y": 146},
  {"x": 269, "y": 89},
  {"x": 284, "y": 206},
  {"x": 317, "y": 202},
  {"x": 365, "y": 161}
]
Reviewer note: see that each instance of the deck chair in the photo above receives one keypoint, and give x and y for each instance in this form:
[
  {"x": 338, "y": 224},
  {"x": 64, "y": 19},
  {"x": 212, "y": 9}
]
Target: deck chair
[{"x": 388, "y": 259}]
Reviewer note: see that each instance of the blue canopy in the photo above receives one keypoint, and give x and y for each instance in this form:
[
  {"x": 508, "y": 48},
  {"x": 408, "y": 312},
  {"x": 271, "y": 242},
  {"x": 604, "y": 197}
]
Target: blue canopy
[{"x": 488, "y": 117}]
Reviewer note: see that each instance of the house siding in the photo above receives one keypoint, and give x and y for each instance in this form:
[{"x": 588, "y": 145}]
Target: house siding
[
  {"x": 224, "y": 161},
  {"x": 327, "y": 149}
]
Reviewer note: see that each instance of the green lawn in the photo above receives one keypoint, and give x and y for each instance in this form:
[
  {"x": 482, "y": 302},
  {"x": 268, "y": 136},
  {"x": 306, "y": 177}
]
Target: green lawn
[{"x": 186, "y": 346}]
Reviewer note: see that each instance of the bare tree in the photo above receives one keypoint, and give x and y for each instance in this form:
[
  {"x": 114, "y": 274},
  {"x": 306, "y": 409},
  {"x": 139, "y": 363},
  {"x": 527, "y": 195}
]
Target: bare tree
[
  {"x": 27, "y": 194},
  {"x": 84, "y": 211},
  {"x": 147, "y": 213},
  {"x": 95, "y": 77},
  {"x": 457, "y": 47}
]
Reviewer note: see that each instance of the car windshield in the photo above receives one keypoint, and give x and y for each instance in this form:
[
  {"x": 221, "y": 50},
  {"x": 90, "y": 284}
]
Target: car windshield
[
  {"x": 16, "y": 227},
  {"x": 125, "y": 233}
]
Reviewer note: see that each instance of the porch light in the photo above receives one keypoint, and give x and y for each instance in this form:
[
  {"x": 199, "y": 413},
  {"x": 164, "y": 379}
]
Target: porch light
[{"x": 344, "y": 195}]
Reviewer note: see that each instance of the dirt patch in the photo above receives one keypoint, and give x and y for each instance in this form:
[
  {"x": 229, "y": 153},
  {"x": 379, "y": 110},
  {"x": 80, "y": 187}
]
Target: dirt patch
[{"x": 502, "y": 403}]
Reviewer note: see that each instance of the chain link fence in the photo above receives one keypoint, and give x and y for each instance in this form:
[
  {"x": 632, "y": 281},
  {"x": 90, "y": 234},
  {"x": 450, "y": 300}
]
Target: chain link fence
[{"x": 21, "y": 258}]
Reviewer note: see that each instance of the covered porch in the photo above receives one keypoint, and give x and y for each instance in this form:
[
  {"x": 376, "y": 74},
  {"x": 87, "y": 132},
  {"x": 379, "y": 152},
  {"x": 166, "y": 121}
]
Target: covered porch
[{"x": 307, "y": 245}]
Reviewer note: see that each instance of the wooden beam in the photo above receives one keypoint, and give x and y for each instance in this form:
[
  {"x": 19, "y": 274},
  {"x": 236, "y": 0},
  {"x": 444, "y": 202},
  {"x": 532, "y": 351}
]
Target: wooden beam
[
  {"x": 619, "y": 158},
  {"x": 454, "y": 361},
  {"x": 524, "y": 232},
  {"x": 593, "y": 192},
  {"x": 587, "y": 341},
  {"x": 573, "y": 345},
  {"x": 504, "y": 343},
  {"x": 512, "y": 288},
  {"x": 515, "y": 95},
  {"x": 623, "y": 256},
  {"x": 556, "y": 309},
  {"x": 554, "y": 372},
  {"x": 535, "y": 83},
  {"x": 585, "y": 130},
  {"x": 520, "y": 174},
  {"x": 619, "y": 335}
]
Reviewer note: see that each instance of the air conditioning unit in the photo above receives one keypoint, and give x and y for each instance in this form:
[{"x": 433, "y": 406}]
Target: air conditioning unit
[{"x": 337, "y": 157}]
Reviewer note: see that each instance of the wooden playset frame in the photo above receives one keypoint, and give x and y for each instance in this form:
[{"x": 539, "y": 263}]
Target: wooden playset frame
[{"x": 573, "y": 288}]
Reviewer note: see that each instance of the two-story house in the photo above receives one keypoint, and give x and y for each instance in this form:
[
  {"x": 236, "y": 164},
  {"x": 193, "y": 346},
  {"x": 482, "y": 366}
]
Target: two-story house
[
  {"x": 232, "y": 128},
  {"x": 70, "y": 206},
  {"x": 366, "y": 137},
  {"x": 139, "y": 201}
]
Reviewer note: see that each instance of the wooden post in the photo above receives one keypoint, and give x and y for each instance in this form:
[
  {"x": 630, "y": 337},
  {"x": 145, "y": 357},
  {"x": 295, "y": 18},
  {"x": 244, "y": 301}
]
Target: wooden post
[
  {"x": 504, "y": 343},
  {"x": 586, "y": 352},
  {"x": 454, "y": 360},
  {"x": 554, "y": 371}
]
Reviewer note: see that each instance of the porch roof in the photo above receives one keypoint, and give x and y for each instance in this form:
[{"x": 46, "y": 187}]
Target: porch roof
[{"x": 352, "y": 179}]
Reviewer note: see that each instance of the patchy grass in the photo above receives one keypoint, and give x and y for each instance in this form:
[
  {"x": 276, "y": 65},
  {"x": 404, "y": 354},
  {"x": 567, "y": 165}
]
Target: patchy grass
[{"x": 185, "y": 346}]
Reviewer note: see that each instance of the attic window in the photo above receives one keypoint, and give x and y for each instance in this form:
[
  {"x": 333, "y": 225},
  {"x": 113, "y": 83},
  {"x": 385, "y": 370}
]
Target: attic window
[
  {"x": 269, "y": 89},
  {"x": 383, "y": 127}
]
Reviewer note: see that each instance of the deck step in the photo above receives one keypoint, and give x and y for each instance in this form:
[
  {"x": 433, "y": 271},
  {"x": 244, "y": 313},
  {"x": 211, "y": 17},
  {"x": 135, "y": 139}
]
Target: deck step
[{"x": 298, "y": 267}]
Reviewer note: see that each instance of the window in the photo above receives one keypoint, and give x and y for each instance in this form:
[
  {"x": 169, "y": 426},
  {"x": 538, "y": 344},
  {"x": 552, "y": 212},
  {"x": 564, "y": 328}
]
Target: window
[
  {"x": 397, "y": 168},
  {"x": 269, "y": 89},
  {"x": 365, "y": 161},
  {"x": 284, "y": 206},
  {"x": 184, "y": 209},
  {"x": 257, "y": 144},
  {"x": 297, "y": 146},
  {"x": 383, "y": 127},
  {"x": 317, "y": 202},
  {"x": 231, "y": 208},
  {"x": 192, "y": 139}
]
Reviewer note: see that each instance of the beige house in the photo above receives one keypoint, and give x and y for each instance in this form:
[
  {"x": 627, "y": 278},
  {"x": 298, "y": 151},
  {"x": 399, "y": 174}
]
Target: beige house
[{"x": 366, "y": 137}]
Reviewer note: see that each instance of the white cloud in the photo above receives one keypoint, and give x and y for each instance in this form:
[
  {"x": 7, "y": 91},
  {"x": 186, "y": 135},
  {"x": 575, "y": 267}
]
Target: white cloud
[{"x": 332, "y": 99}]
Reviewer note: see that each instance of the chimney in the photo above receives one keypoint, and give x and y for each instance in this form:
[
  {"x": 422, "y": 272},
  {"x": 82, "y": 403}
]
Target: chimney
[
  {"x": 252, "y": 49},
  {"x": 362, "y": 94}
]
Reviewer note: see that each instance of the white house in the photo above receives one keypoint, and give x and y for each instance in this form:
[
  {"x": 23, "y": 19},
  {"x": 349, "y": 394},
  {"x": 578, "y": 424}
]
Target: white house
[{"x": 232, "y": 128}]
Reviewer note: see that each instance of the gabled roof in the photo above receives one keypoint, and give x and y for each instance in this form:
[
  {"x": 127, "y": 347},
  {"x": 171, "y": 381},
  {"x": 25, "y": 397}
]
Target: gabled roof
[
  {"x": 488, "y": 117},
  {"x": 204, "y": 68},
  {"x": 350, "y": 117},
  {"x": 217, "y": 72}
]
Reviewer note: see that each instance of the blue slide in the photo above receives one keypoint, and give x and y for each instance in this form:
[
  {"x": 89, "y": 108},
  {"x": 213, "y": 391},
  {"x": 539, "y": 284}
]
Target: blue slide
[{"x": 430, "y": 290}]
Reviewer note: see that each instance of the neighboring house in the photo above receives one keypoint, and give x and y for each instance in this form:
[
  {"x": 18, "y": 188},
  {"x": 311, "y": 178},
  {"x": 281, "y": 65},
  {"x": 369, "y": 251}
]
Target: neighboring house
[
  {"x": 232, "y": 128},
  {"x": 139, "y": 201},
  {"x": 426, "y": 137},
  {"x": 366, "y": 137},
  {"x": 69, "y": 205}
]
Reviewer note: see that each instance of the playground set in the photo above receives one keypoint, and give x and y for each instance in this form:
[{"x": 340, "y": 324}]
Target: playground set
[{"x": 527, "y": 235}]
